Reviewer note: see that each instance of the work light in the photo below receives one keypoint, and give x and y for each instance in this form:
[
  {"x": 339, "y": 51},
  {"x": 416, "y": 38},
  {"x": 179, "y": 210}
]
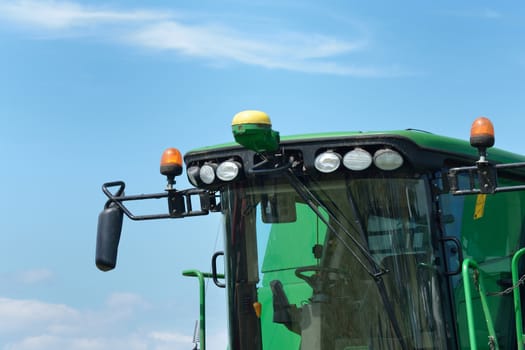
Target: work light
[
  {"x": 327, "y": 162},
  {"x": 228, "y": 170},
  {"x": 357, "y": 159},
  {"x": 387, "y": 159}
]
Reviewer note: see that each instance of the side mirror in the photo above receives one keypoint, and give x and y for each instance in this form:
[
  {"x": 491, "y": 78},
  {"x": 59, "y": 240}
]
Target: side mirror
[{"x": 108, "y": 236}]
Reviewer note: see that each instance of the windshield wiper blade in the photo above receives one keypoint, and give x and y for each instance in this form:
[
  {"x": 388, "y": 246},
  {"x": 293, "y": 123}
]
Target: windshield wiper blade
[
  {"x": 390, "y": 311},
  {"x": 314, "y": 203}
]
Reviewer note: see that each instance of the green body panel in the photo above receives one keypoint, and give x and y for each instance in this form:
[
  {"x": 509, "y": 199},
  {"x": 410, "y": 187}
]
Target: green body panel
[
  {"x": 424, "y": 140},
  {"x": 491, "y": 240}
]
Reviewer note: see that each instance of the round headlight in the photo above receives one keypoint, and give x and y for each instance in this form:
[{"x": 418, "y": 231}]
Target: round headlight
[
  {"x": 357, "y": 159},
  {"x": 327, "y": 162},
  {"x": 228, "y": 170},
  {"x": 193, "y": 175},
  {"x": 207, "y": 173},
  {"x": 387, "y": 159}
]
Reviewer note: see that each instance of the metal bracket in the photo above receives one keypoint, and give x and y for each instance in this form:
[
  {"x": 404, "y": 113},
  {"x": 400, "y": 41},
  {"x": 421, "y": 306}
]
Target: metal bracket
[
  {"x": 179, "y": 202},
  {"x": 483, "y": 178},
  {"x": 270, "y": 166}
]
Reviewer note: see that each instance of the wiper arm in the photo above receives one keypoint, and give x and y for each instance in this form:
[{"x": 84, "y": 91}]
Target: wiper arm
[
  {"x": 378, "y": 278},
  {"x": 390, "y": 311},
  {"x": 314, "y": 203}
]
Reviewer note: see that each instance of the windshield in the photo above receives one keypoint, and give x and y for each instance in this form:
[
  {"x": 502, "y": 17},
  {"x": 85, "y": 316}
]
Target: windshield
[{"x": 354, "y": 272}]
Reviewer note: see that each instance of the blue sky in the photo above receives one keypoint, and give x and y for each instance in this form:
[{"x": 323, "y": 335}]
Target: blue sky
[{"x": 95, "y": 91}]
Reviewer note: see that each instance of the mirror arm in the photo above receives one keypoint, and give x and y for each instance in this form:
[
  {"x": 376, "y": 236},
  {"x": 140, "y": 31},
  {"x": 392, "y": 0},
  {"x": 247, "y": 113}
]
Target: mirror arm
[
  {"x": 487, "y": 178},
  {"x": 179, "y": 202}
]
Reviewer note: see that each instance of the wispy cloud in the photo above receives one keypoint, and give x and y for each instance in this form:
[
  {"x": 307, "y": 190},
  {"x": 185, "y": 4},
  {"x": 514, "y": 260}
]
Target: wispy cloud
[
  {"x": 34, "y": 276},
  {"x": 216, "y": 44},
  {"x": 62, "y": 15},
  {"x": 25, "y": 278},
  {"x": 492, "y": 14},
  {"x": 483, "y": 13},
  {"x": 291, "y": 51}
]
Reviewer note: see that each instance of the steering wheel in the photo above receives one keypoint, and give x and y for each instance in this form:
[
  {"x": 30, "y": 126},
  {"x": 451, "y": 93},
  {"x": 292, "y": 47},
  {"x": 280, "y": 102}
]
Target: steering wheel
[{"x": 314, "y": 281}]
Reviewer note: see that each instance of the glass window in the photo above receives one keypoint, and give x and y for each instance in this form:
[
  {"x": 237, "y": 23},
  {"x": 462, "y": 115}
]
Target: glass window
[
  {"x": 359, "y": 276},
  {"x": 490, "y": 230}
]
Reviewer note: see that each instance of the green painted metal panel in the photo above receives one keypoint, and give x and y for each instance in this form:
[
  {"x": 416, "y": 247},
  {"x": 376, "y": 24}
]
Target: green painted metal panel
[
  {"x": 490, "y": 236},
  {"x": 424, "y": 140}
]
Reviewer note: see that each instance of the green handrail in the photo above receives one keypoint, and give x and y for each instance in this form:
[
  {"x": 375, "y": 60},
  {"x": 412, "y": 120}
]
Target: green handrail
[
  {"x": 466, "y": 266},
  {"x": 517, "y": 301},
  {"x": 202, "y": 295}
]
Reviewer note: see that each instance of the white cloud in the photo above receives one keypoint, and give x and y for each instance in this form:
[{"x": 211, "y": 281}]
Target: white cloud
[
  {"x": 171, "y": 337},
  {"x": 27, "y": 324},
  {"x": 35, "y": 276},
  {"x": 53, "y": 342},
  {"x": 125, "y": 301},
  {"x": 24, "y": 278},
  {"x": 17, "y": 314},
  {"x": 175, "y": 340},
  {"x": 291, "y": 51},
  {"x": 218, "y": 45}
]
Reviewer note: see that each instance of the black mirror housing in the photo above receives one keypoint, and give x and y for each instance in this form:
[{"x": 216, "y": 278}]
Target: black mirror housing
[{"x": 108, "y": 237}]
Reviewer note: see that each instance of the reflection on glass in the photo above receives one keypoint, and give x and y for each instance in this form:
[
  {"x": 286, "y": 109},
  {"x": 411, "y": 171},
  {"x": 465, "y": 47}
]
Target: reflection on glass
[{"x": 322, "y": 295}]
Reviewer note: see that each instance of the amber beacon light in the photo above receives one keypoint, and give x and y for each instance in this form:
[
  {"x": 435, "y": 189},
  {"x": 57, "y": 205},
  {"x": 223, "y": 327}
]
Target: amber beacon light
[
  {"x": 482, "y": 136},
  {"x": 482, "y": 133},
  {"x": 171, "y": 164}
]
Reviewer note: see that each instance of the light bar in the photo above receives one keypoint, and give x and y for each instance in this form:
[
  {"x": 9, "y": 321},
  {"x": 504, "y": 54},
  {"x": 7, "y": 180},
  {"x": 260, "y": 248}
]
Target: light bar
[
  {"x": 357, "y": 159},
  {"x": 327, "y": 162},
  {"x": 387, "y": 159},
  {"x": 228, "y": 170}
]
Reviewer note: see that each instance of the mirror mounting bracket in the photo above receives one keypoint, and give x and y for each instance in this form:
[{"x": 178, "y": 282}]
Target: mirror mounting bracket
[{"x": 179, "y": 202}]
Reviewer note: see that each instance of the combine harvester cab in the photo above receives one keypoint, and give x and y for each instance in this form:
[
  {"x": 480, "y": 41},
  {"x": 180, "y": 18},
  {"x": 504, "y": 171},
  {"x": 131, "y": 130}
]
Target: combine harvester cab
[{"x": 353, "y": 240}]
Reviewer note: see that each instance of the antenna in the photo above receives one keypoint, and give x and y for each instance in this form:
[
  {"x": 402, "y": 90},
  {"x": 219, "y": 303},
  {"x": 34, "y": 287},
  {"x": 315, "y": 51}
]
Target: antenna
[{"x": 196, "y": 336}]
